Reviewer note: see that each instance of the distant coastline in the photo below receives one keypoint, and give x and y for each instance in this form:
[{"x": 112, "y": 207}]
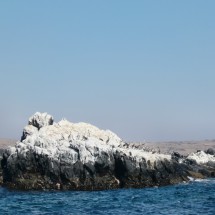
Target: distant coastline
[
  {"x": 183, "y": 147},
  {"x": 5, "y": 142}
]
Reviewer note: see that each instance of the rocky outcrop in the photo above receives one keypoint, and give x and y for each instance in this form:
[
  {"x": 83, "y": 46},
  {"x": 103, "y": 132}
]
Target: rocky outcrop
[
  {"x": 35, "y": 122},
  {"x": 40, "y": 120},
  {"x": 80, "y": 156}
]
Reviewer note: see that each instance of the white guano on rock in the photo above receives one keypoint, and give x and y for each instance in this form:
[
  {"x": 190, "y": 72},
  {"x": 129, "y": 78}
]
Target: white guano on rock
[
  {"x": 201, "y": 157},
  {"x": 68, "y": 142}
]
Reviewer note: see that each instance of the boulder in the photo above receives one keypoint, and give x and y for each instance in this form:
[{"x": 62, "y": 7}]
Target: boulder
[
  {"x": 210, "y": 151},
  {"x": 40, "y": 120}
]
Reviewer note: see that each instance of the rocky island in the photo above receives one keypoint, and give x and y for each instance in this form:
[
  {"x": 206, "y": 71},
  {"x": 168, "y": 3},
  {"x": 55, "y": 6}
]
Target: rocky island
[{"x": 79, "y": 156}]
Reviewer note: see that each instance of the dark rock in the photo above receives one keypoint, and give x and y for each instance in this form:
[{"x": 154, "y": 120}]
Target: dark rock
[{"x": 210, "y": 151}]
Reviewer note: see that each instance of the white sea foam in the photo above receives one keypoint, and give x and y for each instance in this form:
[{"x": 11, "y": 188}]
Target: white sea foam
[{"x": 190, "y": 178}]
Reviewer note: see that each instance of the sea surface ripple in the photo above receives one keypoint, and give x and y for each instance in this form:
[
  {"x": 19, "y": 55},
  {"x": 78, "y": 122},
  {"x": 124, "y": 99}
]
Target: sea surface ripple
[{"x": 197, "y": 197}]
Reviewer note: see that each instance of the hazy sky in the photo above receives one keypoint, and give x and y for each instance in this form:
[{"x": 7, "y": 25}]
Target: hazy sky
[{"x": 143, "y": 69}]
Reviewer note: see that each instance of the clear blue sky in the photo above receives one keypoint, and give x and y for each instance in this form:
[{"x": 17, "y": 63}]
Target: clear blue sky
[{"x": 143, "y": 69}]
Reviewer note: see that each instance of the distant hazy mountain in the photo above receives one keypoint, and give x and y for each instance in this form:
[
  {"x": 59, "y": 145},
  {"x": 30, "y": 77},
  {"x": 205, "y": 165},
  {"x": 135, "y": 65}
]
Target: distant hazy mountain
[
  {"x": 183, "y": 147},
  {"x": 4, "y": 143}
]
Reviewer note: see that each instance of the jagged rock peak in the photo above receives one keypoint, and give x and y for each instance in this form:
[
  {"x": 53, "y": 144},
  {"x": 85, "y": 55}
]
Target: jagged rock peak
[
  {"x": 40, "y": 120},
  {"x": 41, "y": 124}
]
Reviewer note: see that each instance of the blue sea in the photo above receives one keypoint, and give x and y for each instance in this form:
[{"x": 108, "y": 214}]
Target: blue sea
[{"x": 197, "y": 197}]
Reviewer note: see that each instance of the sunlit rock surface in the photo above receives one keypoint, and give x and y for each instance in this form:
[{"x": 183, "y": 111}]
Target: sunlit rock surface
[
  {"x": 202, "y": 157},
  {"x": 79, "y": 156}
]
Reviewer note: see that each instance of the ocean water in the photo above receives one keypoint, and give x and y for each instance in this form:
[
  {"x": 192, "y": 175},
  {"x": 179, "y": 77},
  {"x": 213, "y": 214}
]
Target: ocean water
[{"x": 197, "y": 197}]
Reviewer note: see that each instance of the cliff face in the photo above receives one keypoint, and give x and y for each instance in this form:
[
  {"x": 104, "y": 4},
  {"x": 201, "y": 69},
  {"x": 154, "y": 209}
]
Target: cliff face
[{"x": 80, "y": 156}]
